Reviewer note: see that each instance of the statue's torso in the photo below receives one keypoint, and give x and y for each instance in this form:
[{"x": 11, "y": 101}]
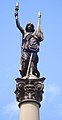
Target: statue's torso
[{"x": 31, "y": 42}]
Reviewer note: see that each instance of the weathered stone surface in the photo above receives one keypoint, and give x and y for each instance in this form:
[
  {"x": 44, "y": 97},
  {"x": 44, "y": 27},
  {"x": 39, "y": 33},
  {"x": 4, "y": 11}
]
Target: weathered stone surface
[{"x": 31, "y": 88}]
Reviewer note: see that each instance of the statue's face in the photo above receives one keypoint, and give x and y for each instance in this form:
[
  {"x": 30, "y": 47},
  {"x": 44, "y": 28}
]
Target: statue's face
[{"x": 30, "y": 29}]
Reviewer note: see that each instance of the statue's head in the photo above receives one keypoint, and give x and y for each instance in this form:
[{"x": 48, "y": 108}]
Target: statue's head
[{"x": 29, "y": 27}]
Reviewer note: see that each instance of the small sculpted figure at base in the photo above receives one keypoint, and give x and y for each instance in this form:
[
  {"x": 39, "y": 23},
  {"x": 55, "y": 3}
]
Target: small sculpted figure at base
[{"x": 30, "y": 45}]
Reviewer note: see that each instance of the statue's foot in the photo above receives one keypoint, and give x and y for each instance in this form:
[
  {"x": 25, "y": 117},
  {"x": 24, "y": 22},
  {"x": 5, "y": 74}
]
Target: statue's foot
[
  {"x": 23, "y": 73},
  {"x": 36, "y": 73}
]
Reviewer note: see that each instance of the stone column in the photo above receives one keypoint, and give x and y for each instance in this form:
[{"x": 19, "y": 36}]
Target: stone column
[
  {"x": 29, "y": 95},
  {"x": 29, "y": 111}
]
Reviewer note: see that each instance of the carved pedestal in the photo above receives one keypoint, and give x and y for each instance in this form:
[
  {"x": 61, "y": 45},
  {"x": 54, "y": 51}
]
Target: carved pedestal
[{"x": 29, "y": 90}]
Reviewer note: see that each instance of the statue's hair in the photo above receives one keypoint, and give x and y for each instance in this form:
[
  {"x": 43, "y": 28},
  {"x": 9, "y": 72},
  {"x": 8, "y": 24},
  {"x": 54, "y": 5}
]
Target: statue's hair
[{"x": 26, "y": 28}]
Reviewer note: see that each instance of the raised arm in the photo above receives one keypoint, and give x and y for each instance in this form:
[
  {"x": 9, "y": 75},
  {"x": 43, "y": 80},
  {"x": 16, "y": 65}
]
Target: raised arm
[
  {"x": 17, "y": 20},
  {"x": 38, "y": 31}
]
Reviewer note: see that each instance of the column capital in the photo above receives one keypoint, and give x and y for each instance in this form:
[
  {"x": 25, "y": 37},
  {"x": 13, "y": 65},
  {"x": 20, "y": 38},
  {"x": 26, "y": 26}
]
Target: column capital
[{"x": 29, "y": 89}]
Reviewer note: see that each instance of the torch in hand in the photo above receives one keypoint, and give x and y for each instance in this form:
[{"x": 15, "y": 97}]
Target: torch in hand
[
  {"x": 39, "y": 20},
  {"x": 16, "y": 9},
  {"x": 39, "y": 32}
]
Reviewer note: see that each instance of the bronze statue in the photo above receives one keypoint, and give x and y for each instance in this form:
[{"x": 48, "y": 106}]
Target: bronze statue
[{"x": 30, "y": 46}]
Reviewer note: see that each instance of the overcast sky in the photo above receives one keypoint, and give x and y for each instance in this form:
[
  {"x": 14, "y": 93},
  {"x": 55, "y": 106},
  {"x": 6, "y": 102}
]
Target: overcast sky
[{"x": 50, "y": 55}]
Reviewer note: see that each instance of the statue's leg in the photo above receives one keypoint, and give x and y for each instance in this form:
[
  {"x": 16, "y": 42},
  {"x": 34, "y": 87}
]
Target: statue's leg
[
  {"x": 35, "y": 71},
  {"x": 34, "y": 65},
  {"x": 24, "y": 63}
]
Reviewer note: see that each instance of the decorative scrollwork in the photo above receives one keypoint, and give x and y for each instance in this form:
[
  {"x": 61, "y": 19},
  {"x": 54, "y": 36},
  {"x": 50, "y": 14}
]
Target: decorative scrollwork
[{"x": 29, "y": 89}]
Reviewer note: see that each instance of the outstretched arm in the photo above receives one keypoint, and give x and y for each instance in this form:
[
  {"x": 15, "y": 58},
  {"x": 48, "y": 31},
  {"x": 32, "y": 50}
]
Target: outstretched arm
[
  {"x": 38, "y": 31},
  {"x": 17, "y": 20}
]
